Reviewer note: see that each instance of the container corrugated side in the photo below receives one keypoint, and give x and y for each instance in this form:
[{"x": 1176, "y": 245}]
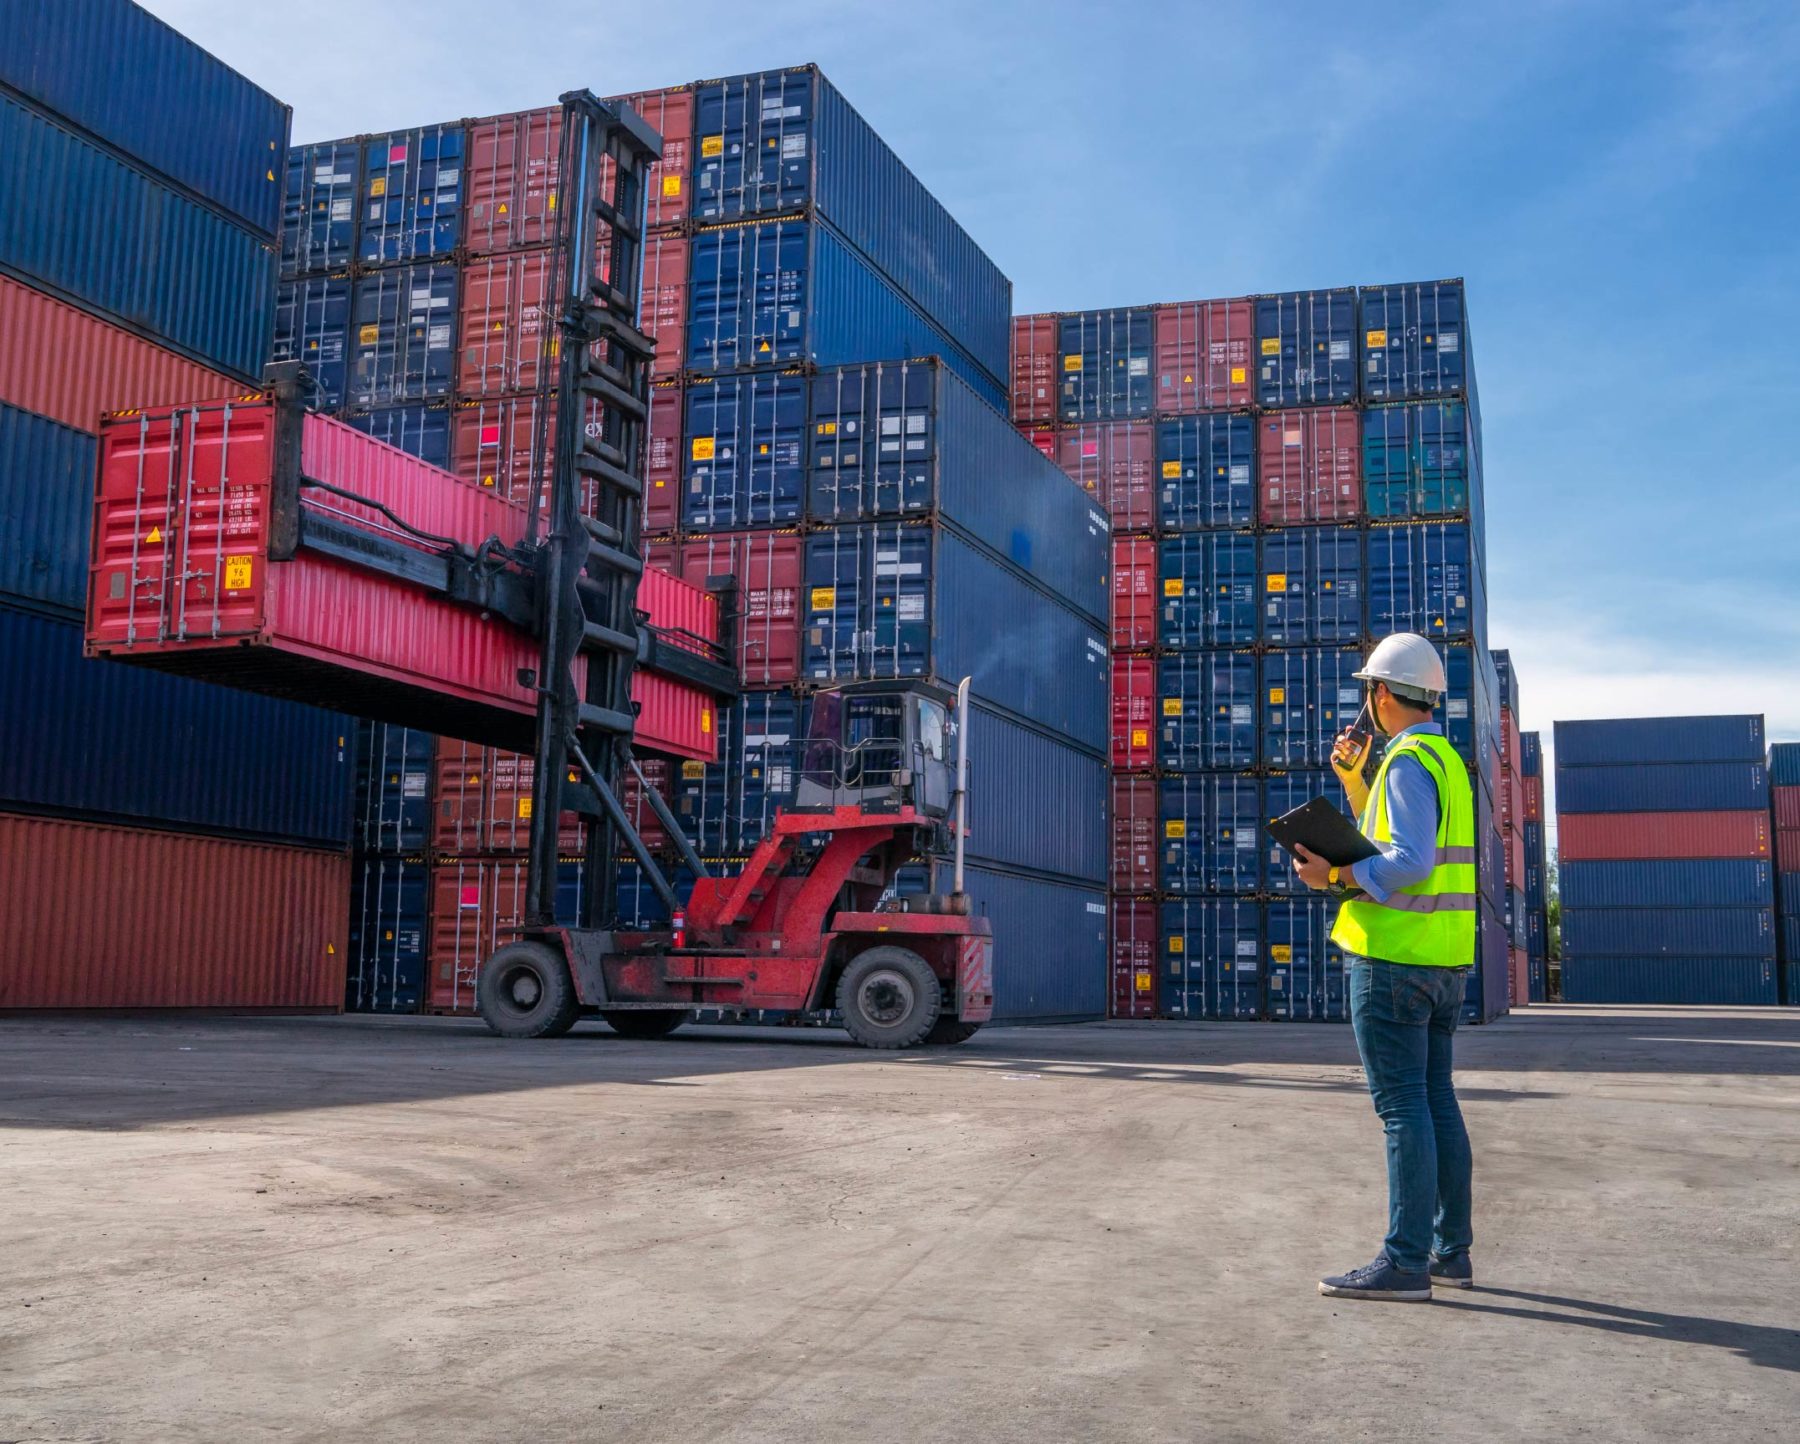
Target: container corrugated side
[
  {"x": 101, "y": 740},
  {"x": 158, "y": 263},
  {"x": 1050, "y": 944},
  {"x": 1784, "y": 764},
  {"x": 1035, "y": 802},
  {"x": 1738, "y": 738},
  {"x": 46, "y": 491},
  {"x": 58, "y": 361},
  {"x": 912, "y": 439},
  {"x": 1667, "y": 883},
  {"x": 1582, "y": 836},
  {"x": 1663, "y": 787},
  {"x": 1659, "y": 932},
  {"x": 122, "y": 917},
  {"x": 1722, "y": 982},
  {"x": 832, "y": 159},
  {"x": 135, "y": 82}
]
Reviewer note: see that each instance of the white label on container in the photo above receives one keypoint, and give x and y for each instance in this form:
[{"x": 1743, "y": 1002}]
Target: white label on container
[
  {"x": 448, "y": 176},
  {"x": 1246, "y": 842},
  {"x": 793, "y": 147},
  {"x": 1447, "y": 341},
  {"x": 1138, "y": 366},
  {"x": 1241, "y": 715},
  {"x": 325, "y": 176},
  {"x": 890, "y": 426},
  {"x": 1100, "y": 908},
  {"x": 1340, "y": 350},
  {"x": 1098, "y": 519},
  {"x": 1246, "y": 947},
  {"x": 1457, "y": 707},
  {"x": 1349, "y": 697},
  {"x": 915, "y": 425},
  {"x": 778, "y": 779},
  {"x": 911, "y": 608},
  {"x": 342, "y": 210},
  {"x": 793, "y": 319},
  {"x": 1460, "y": 603},
  {"x": 1239, "y": 475},
  {"x": 1096, "y": 647},
  {"x": 412, "y": 784},
  {"x": 438, "y": 335}
]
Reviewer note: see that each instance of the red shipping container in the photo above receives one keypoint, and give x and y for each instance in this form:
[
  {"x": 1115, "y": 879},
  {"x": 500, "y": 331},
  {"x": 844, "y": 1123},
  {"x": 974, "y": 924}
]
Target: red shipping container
[
  {"x": 484, "y": 802},
  {"x": 671, "y": 115},
  {"x": 1787, "y": 807},
  {"x": 767, "y": 565},
  {"x": 1533, "y": 801},
  {"x": 1035, "y": 362},
  {"x": 125, "y": 917},
  {"x": 1134, "y": 594},
  {"x": 1043, "y": 438},
  {"x": 312, "y": 628},
  {"x": 1134, "y": 941},
  {"x": 1134, "y": 841},
  {"x": 1787, "y": 850},
  {"x": 1631, "y": 836},
  {"x": 1512, "y": 758},
  {"x": 1133, "y": 709},
  {"x": 505, "y": 325},
  {"x": 1115, "y": 461},
  {"x": 663, "y": 303},
  {"x": 1518, "y": 977},
  {"x": 1309, "y": 466},
  {"x": 62, "y": 363},
  {"x": 1204, "y": 352},
  {"x": 659, "y": 772},
  {"x": 1515, "y": 857},
  {"x": 477, "y": 906}
]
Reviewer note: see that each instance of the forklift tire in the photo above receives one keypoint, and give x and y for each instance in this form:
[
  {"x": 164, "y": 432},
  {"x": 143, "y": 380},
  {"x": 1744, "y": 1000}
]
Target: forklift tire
[
  {"x": 889, "y": 998},
  {"x": 946, "y": 1031},
  {"x": 525, "y": 991},
  {"x": 636, "y": 1023}
]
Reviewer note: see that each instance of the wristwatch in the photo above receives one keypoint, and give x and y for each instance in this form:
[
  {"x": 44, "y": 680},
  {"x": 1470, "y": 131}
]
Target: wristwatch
[{"x": 1331, "y": 878}]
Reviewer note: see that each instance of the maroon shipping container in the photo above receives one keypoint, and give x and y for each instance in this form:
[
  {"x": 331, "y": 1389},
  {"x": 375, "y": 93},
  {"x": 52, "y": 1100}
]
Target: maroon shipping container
[
  {"x": 1518, "y": 976},
  {"x": 767, "y": 565},
  {"x": 671, "y": 115},
  {"x": 1787, "y": 850},
  {"x": 124, "y": 917},
  {"x": 1134, "y": 843},
  {"x": 1115, "y": 461},
  {"x": 1787, "y": 807},
  {"x": 1532, "y": 803},
  {"x": 1133, "y": 714},
  {"x": 1134, "y": 594},
  {"x": 1035, "y": 354},
  {"x": 1514, "y": 838},
  {"x": 1043, "y": 438},
  {"x": 484, "y": 802},
  {"x": 65, "y": 364},
  {"x": 505, "y": 324},
  {"x": 663, "y": 305},
  {"x": 1203, "y": 355},
  {"x": 477, "y": 906},
  {"x": 1309, "y": 466},
  {"x": 1633, "y": 836},
  {"x": 1133, "y": 927},
  {"x": 659, "y": 772}
]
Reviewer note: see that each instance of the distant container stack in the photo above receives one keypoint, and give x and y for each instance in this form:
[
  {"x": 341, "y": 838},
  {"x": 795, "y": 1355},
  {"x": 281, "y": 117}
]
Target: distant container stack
[
  {"x": 825, "y": 431},
  {"x": 1537, "y": 868},
  {"x": 1511, "y": 804},
  {"x": 1784, "y": 779},
  {"x": 1290, "y": 477},
  {"x": 1665, "y": 862},
  {"x": 163, "y": 843}
]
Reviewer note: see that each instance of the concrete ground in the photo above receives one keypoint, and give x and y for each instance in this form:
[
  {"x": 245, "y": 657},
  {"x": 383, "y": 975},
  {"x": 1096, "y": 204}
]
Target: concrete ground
[{"x": 347, "y": 1229}]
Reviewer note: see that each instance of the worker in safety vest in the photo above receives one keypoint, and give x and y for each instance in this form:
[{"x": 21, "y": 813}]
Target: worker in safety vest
[{"x": 1407, "y": 928}]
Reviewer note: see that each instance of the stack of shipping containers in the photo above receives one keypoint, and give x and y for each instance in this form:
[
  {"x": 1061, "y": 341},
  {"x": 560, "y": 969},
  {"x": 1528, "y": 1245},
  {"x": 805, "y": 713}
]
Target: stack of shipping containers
[
  {"x": 1784, "y": 779},
  {"x": 875, "y": 519},
  {"x": 1510, "y": 811},
  {"x": 1664, "y": 861},
  {"x": 1537, "y": 868},
  {"x": 1290, "y": 477},
  {"x": 137, "y": 268}
]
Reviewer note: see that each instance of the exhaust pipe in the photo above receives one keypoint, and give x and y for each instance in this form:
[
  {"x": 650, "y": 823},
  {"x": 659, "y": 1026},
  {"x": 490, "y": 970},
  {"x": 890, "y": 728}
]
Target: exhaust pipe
[{"x": 962, "y": 780}]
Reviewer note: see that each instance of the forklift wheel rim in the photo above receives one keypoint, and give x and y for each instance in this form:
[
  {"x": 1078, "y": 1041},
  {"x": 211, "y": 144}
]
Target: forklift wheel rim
[
  {"x": 508, "y": 991},
  {"x": 885, "y": 997}
]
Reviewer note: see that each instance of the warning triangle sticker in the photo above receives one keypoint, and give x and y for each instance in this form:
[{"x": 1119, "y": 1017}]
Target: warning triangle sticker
[
  {"x": 763, "y": 347},
  {"x": 154, "y": 537}
]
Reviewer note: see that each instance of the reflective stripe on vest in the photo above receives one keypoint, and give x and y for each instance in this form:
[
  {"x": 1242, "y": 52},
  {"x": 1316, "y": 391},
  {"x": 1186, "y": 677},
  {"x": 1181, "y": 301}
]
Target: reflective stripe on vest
[{"x": 1432, "y": 922}]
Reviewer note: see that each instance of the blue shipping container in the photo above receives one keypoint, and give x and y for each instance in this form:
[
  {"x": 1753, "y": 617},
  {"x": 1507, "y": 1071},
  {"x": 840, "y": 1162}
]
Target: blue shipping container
[
  {"x": 1739, "y": 738},
  {"x": 1106, "y": 365},
  {"x": 83, "y": 223},
  {"x": 777, "y": 142},
  {"x": 1788, "y": 886},
  {"x": 1415, "y": 341},
  {"x": 1698, "y": 883},
  {"x": 1535, "y": 895},
  {"x": 1212, "y": 952},
  {"x": 391, "y": 812},
  {"x": 910, "y": 438},
  {"x": 1309, "y": 695},
  {"x": 1485, "y": 992},
  {"x": 1425, "y": 578},
  {"x": 312, "y": 325},
  {"x": 745, "y": 462},
  {"x": 1664, "y": 787},
  {"x": 1312, "y": 586},
  {"x": 1206, "y": 469},
  {"x": 412, "y": 190},
  {"x": 1679, "y": 932},
  {"x": 403, "y": 335},
  {"x": 1722, "y": 982},
  {"x": 1531, "y": 754},
  {"x": 120, "y": 74},
  {"x": 795, "y": 293},
  {"x": 318, "y": 211},
  {"x": 1209, "y": 586},
  {"x": 1508, "y": 693},
  {"x": 915, "y": 599},
  {"x": 1035, "y": 802},
  {"x": 1282, "y": 793},
  {"x": 46, "y": 497},
  {"x": 1211, "y": 830},
  {"x": 1308, "y": 977},
  {"x": 727, "y": 807},
  {"x": 1420, "y": 460},
  {"x": 638, "y": 905},
  {"x": 99, "y": 739},
  {"x": 1206, "y": 705},
  {"x": 1306, "y": 344},
  {"x": 1784, "y": 764},
  {"x": 390, "y": 905},
  {"x": 419, "y": 430}
]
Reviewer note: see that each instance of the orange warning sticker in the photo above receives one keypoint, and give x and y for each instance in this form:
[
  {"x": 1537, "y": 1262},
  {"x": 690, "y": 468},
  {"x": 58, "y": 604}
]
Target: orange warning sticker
[{"x": 238, "y": 572}]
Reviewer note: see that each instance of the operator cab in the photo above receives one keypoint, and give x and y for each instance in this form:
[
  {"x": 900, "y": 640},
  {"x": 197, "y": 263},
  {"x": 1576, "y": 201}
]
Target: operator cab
[{"x": 880, "y": 746}]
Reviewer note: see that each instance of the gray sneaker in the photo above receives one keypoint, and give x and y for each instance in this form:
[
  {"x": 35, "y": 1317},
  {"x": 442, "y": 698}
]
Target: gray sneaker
[
  {"x": 1378, "y": 1280},
  {"x": 1453, "y": 1273}
]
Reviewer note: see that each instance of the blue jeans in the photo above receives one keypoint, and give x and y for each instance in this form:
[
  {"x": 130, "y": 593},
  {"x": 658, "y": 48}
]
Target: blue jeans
[{"x": 1404, "y": 1018}]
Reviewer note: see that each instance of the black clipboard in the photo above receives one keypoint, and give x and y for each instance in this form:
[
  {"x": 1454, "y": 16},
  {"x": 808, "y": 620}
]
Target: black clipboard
[{"x": 1323, "y": 831}]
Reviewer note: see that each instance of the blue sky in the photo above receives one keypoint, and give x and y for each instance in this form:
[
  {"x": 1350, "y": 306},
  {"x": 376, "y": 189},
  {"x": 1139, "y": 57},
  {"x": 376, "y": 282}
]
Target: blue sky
[{"x": 1617, "y": 181}]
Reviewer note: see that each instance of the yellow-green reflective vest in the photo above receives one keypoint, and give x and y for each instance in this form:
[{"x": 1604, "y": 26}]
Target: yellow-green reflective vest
[{"x": 1432, "y": 923}]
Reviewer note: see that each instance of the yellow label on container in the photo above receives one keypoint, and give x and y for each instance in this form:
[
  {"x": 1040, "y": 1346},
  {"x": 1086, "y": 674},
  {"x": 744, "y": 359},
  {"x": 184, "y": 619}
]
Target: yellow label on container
[
  {"x": 378, "y": 186},
  {"x": 828, "y": 428},
  {"x": 706, "y": 721},
  {"x": 1142, "y": 981},
  {"x": 238, "y": 572},
  {"x": 1178, "y": 944},
  {"x": 692, "y": 771},
  {"x": 1275, "y": 582},
  {"x": 368, "y": 335},
  {"x": 703, "y": 448},
  {"x": 1282, "y": 953},
  {"x": 712, "y": 145},
  {"x": 671, "y": 185},
  {"x": 1171, "y": 469},
  {"x": 525, "y": 809},
  {"x": 1171, "y": 706},
  {"x": 1071, "y": 363},
  {"x": 505, "y": 209},
  {"x": 1271, "y": 346},
  {"x": 1174, "y": 827},
  {"x": 1277, "y": 696},
  {"x": 824, "y": 598},
  {"x": 153, "y": 536},
  {"x": 1140, "y": 736},
  {"x": 1237, "y": 375},
  {"x": 1171, "y": 586},
  {"x": 1377, "y": 338}
]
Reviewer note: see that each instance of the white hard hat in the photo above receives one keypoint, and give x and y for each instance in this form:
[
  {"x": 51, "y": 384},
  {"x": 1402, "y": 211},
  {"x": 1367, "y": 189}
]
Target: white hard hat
[{"x": 1410, "y": 666}]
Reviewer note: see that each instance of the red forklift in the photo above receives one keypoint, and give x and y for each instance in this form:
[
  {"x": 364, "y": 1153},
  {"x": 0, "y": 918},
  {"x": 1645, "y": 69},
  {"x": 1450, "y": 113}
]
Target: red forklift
[{"x": 811, "y": 923}]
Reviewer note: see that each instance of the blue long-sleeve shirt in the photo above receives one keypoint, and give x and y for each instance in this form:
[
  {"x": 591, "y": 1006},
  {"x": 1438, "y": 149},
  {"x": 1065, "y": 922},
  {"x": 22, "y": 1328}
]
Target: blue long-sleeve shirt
[{"x": 1412, "y": 809}]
